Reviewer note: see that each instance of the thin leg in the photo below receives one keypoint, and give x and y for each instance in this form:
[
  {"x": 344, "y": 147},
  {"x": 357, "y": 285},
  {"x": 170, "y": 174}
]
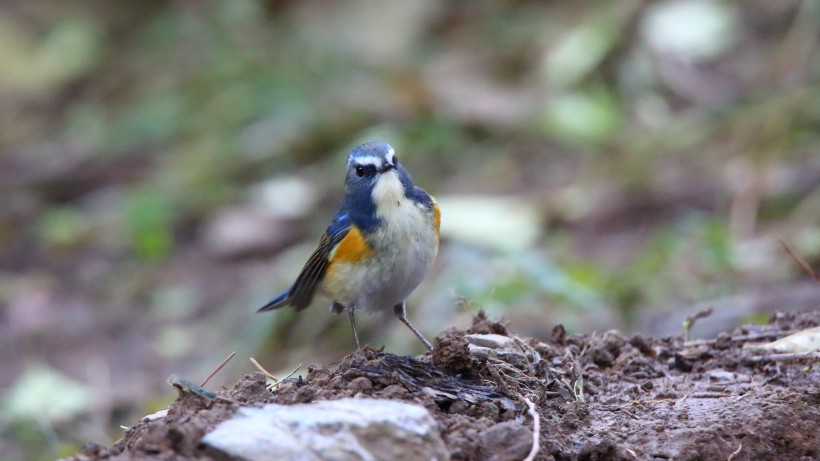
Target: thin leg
[
  {"x": 353, "y": 325},
  {"x": 338, "y": 308},
  {"x": 400, "y": 313}
]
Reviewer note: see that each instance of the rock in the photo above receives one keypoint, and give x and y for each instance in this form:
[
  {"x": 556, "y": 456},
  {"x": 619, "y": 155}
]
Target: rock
[
  {"x": 602, "y": 358},
  {"x": 484, "y": 346},
  {"x": 339, "y": 430},
  {"x": 510, "y": 441},
  {"x": 492, "y": 341},
  {"x": 481, "y": 353}
]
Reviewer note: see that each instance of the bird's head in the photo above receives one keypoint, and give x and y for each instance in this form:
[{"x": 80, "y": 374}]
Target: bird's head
[{"x": 375, "y": 175}]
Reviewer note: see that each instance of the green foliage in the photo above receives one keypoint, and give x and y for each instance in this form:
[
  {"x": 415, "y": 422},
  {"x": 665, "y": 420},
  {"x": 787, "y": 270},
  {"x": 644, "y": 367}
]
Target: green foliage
[
  {"x": 716, "y": 246},
  {"x": 149, "y": 217}
]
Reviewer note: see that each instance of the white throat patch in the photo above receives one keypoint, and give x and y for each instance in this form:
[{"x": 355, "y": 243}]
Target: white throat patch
[{"x": 388, "y": 192}]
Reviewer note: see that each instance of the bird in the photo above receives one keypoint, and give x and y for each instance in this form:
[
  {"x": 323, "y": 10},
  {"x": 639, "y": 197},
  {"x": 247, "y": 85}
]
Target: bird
[{"x": 378, "y": 247}]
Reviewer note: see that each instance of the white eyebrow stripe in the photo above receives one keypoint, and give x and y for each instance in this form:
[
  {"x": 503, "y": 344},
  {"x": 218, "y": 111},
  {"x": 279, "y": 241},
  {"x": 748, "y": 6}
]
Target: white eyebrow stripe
[
  {"x": 391, "y": 156},
  {"x": 375, "y": 161}
]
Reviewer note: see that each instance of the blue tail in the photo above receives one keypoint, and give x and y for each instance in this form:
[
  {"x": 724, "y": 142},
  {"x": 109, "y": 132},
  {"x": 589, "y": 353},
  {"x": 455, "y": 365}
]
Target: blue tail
[{"x": 282, "y": 300}]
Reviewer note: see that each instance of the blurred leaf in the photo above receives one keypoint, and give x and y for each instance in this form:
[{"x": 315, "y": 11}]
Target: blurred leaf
[
  {"x": 174, "y": 341},
  {"x": 582, "y": 118},
  {"x": 691, "y": 29},
  {"x": 70, "y": 50},
  {"x": 506, "y": 224},
  {"x": 807, "y": 242},
  {"x": 801, "y": 342},
  {"x": 45, "y": 394},
  {"x": 302, "y": 197},
  {"x": 579, "y": 52}
]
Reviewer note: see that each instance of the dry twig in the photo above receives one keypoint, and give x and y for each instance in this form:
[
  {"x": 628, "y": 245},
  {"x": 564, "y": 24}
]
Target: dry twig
[
  {"x": 708, "y": 395},
  {"x": 262, "y": 370},
  {"x": 622, "y": 410},
  {"x": 276, "y": 384},
  {"x": 798, "y": 259},
  {"x": 276, "y": 381},
  {"x": 216, "y": 370},
  {"x": 739, "y": 338}
]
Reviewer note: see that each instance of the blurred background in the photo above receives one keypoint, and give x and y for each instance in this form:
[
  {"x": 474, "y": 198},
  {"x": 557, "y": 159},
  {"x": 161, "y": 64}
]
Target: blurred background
[{"x": 167, "y": 166}]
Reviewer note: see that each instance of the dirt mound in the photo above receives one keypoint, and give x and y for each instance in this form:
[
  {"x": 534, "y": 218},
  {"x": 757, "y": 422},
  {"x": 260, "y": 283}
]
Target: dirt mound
[{"x": 599, "y": 396}]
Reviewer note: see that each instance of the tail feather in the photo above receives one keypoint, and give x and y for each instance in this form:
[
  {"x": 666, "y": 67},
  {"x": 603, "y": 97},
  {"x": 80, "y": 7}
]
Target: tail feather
[{"x": 281, "y": 300}]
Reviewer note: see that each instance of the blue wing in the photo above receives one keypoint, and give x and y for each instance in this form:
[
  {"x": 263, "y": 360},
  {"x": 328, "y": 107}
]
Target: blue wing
[{"x": 301, "y": 293}]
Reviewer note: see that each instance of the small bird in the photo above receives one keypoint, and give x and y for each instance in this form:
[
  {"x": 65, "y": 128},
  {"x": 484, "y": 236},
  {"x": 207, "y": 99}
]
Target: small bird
[{"x": 379, "y": 246}]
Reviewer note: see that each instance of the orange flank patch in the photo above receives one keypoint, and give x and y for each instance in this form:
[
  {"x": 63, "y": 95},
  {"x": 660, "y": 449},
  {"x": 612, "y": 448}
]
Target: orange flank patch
[
  {"x": 352, "y": 248},
  {"x": 436, "y": 217}
]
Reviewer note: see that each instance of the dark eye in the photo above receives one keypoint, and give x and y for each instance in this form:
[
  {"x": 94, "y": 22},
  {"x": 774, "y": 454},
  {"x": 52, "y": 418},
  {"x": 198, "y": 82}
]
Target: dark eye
[{"x": 359, "y": 171}]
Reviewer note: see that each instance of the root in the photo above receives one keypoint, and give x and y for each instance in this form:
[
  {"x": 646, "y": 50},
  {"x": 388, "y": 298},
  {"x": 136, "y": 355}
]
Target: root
[{"x": 536, "y": 429}]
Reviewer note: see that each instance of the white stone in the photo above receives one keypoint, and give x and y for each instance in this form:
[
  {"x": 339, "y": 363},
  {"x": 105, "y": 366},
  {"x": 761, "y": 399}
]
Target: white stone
[
  {"x": 338, "y": 430},
  {"x": 492, "y": 341}
]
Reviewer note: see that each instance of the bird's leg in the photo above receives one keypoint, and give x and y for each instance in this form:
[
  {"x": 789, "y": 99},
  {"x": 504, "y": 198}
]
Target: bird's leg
[
  {"x": 338, "y": 308},
  {"x": 401, "y": 314},
  {"x": 353, "y": 325}
]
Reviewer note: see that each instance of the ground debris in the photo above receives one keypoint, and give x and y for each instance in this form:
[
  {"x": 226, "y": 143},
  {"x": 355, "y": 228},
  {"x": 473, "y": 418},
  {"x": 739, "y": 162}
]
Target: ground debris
[
  {"x": 422, "y": 376},
  {"x": 596, "y": 396}
]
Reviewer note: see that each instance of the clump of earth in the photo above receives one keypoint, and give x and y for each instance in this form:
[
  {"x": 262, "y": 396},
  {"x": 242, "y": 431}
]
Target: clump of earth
[{"x": 593, "y": 397}]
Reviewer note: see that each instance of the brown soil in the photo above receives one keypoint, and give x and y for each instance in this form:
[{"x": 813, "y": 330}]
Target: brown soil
[{"x": 639, "y": 398}]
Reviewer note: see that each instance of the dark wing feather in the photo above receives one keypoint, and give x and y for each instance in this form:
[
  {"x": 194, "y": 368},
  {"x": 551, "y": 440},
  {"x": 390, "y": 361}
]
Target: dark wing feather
[{"x": 302, "y": 291}]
